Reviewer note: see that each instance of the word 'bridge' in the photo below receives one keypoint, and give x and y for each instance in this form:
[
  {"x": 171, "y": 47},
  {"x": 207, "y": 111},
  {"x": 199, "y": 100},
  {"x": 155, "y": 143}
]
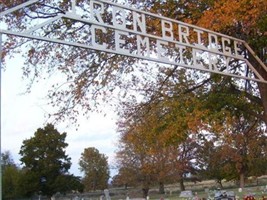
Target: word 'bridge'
[{"x": 119, "y": 29}]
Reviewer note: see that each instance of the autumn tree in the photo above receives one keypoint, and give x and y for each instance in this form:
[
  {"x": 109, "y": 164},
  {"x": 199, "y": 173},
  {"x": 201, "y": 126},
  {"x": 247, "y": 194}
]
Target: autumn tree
[
  {"x": 226, "y": 96},
  {"x": 133, "y": 159},
  {"x": 135, "y": 162},
  {"x": 245, "y": 20},
  {"x": 236, "y": 136},
  {"x": 46, "y": 162},
  {"x": 147, "y": 158},
  {"x": 180, "y": 107},
  {"x": 120, "y": 180},
  {"x": 157, "y": 139},
  {"x": 244, "y": 149},
  {"x": 211, "y": 160},
  {"x": 95, "y": 167}
]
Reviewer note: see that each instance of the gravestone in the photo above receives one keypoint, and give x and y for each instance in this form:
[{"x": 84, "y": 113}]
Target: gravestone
[
  {"x": 106, "y": 193},
  {"x": 187, "y": 194}
]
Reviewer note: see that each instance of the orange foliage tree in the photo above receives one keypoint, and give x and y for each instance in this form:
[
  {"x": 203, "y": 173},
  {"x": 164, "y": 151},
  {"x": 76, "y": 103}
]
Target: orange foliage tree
[
  {"x": 158, "y": 139},
  {"x": 246, "y": 20}
]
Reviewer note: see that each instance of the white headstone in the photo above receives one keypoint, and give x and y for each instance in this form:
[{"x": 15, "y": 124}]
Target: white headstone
[{"x": 106, "y": 192}]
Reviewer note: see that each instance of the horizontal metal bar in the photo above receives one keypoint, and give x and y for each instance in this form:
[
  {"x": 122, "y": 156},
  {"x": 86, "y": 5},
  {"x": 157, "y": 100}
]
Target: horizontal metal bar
[
  {"x": 43, "y": 24},
  {"x": 17, "y": 7}
]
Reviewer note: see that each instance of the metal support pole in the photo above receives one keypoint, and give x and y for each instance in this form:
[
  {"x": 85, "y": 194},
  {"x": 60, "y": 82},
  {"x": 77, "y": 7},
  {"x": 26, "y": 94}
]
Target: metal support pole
[{"x": 1, "y": 184}]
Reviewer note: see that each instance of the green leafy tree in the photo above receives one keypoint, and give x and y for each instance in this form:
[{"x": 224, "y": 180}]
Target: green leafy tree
[
  {"x": 45, "y": 161},
  {"x": 95, "y": 167},
  {"x": 11, "y": 175},
  {"x": 69, "y": 182},
  {"x": 7, "y": 160},
  {"x": 210, "y": 162}
]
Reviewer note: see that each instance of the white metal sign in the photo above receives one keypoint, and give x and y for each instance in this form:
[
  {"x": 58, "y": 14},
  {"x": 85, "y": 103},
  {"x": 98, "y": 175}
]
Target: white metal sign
[{"x": 131, "y": 32}]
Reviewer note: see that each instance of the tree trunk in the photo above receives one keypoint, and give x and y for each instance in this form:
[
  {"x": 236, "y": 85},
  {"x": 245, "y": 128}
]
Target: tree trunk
[
  {"x": 220, "y": 183},
  {"x": 182, "y": 187},
  {"x": 145, "y": 192},
  {"x": 263, "y": 93},
  {"x": 161, "y": 188},
  {"x": 145, "y": 186},
  {"x": 242, "y": 180}
]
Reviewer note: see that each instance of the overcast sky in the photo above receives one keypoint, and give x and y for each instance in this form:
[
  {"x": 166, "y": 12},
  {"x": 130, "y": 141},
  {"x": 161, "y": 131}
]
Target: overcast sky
[{"x": 23, "y": 114}]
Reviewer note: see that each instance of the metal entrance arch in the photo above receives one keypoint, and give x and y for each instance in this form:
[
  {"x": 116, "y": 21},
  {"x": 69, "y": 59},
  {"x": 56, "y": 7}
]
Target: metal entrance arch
[
  {"x": 219, "y": 45},
  {"x": 228, "y": 49}
]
